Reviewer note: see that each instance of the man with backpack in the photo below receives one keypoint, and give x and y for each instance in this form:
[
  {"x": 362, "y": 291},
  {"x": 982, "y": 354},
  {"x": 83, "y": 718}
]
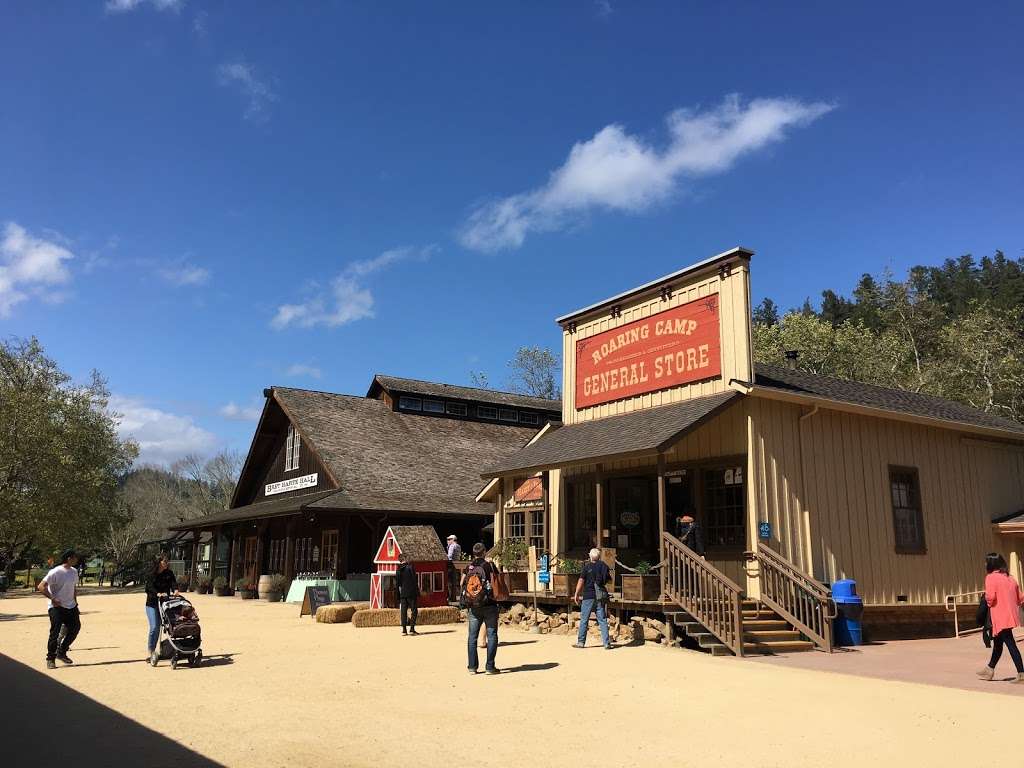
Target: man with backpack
[
  {"x": 407, "y": 584},
  {"x": 592, "y": 588},
  {"x": 481, "y": 607}
]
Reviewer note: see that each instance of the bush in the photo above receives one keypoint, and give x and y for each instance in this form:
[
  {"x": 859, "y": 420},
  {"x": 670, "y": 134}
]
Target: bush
[
  {"x": 568, "y": 565},
  {"x": 244, "y": 585},
  {"x": 220, "y": 582},
  {"x": 278, "y": 583}
]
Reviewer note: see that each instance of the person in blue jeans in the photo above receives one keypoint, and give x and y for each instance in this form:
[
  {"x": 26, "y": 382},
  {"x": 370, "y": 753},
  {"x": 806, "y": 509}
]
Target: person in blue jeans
[
  {"x": 593, "y": 579},
  {"x": 481, "y": 610},
  {"x": 161, "y": 581}
]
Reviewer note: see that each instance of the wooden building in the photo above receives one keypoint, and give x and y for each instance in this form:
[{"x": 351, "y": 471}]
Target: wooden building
[
  {"x": 326, "y": 475},
  {"x": 797, "y": 480}
]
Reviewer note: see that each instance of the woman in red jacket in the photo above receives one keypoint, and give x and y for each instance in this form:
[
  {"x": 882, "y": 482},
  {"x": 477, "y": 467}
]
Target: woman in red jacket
[{"x": 1003, "y": 595}]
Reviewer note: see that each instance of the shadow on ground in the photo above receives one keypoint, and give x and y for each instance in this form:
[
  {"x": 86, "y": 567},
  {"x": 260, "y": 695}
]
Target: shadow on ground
[{"x": 90, "y": 733}]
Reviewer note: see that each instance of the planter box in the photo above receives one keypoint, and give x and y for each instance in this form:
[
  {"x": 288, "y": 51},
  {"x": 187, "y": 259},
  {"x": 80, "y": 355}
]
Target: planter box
[
  {"x": 517, "y": 581},
  {"x": 222, "y": 591},
  {"x": 564, "y": 584},
  {"x": 247, "y": 594},
  {"x": 640, "y": 589},
  {"x": 274, "y": 597}
]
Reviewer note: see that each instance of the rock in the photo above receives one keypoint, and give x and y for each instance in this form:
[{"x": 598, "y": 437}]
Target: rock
[
  {"x": 658, "y": 625},
  {"x": 650, "y": 633},
  {"x": 516, "y": 612}
]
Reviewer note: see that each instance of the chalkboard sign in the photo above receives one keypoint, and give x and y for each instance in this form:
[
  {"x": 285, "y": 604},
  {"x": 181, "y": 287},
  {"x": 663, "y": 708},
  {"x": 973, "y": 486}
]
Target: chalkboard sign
[{"x": 313, "y": 599}]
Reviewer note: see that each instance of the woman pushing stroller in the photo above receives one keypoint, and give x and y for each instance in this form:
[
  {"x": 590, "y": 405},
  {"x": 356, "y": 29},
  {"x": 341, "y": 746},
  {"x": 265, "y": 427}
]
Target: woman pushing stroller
[{"x": 161, "y": 581}]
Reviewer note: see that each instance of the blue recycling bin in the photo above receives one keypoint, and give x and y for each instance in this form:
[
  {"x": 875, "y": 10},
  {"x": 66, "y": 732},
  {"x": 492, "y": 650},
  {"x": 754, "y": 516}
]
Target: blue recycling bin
[{"x": 847, "y": 626}]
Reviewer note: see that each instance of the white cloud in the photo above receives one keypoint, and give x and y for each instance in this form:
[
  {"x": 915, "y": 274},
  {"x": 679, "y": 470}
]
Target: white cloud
[
  {"x": 124, "y": 6},
  {"x": 239, "y": 413},
  {"x": 300, "y": 370},
  {"x": 31, "y": 266},
  {"x": 257, "y": 92},
  {"x": 347, "y": 299},
  {"x": 163, "y": 437},
  {"x": 604, "y": 8},
  {"x": 621, "y": 172},
  {"x": 185, "y": 274},
  {"x": 199, "y": 24}
]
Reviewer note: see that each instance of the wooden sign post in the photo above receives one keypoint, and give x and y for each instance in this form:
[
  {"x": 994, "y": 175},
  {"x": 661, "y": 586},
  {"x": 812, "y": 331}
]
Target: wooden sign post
[{"x": 313, "y": 599}]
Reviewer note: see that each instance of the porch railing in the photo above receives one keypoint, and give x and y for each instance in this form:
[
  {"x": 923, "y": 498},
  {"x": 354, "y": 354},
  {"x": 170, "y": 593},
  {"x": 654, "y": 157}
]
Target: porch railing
[
  {"x": 802, "y": 601},
  {"x": 707, "y": 594}
]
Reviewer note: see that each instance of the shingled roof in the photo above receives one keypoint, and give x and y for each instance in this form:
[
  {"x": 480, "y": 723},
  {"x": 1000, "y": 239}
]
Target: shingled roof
[
  {"x": 419, "y": 543},
  {"x": 286, "y": 505},
  {"x": 779, "y": 378},
  {"x": 454, "y": 392},
  {"x": 389, "y": 460},
  {"x": 636, "y": 433}
]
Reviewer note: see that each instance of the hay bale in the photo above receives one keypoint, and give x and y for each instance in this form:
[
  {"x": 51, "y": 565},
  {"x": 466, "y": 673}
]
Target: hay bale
[
  {"x": 339, "y": 613},
  {"x": 388, "y": 617}
]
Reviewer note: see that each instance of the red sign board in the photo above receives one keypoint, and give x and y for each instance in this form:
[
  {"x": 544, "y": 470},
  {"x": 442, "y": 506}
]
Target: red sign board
[{"x": 677, "y": 346}]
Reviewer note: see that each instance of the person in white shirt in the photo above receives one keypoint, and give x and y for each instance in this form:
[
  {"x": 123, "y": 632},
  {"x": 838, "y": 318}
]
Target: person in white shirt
[{"x": 60, "y": 586}]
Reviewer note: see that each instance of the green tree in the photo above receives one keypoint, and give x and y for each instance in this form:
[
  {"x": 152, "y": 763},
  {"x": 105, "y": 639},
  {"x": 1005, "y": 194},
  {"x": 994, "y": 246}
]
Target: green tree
[
  {"x": 60, "y": 455},
  {"x": 535, "y": 371},
  {"x": 766, "y": 313}
]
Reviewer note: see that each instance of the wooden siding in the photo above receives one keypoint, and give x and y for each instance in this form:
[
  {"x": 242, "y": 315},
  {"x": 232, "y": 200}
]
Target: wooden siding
[
  {"x": 274, "y": 471},
  {"x": 824, "y": 485},
  {"x": 734, "y": 308}
]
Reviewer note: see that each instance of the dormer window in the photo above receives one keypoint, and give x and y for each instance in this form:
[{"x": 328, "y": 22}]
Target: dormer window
[{"x": 291, "y": 450}]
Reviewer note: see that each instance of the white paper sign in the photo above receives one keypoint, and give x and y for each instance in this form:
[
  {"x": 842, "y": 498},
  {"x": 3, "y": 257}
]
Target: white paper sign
[{"x": 291, "y": 484}]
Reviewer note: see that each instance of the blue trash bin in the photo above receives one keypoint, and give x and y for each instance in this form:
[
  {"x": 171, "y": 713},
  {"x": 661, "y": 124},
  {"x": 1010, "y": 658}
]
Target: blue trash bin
[{"x": 847, "y": 626}]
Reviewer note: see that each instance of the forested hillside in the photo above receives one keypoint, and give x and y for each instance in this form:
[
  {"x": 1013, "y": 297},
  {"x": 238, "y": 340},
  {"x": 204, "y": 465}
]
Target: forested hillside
[{"x": 956, "y": 331}]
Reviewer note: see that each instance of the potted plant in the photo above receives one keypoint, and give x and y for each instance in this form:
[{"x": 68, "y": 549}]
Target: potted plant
[
  {"x": 563, "y": 583},
  {"x": 511, "y": 554},
  {"x": 220, "y": 587},
  {"x": 642, "y": 585},
  {"x": 245, "y": 589},
  {"x": 276, "y": 588},
  {"x": 203, "y": 584}
]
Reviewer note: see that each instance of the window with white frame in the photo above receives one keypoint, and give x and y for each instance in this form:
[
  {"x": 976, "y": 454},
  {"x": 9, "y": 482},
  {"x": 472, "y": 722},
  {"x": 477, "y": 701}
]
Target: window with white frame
[
  {"x": 433, "y": 406},
  {"x": 455, "y": 409},
  {"x": 529, "y": 418},
  {"x": 507, "y": 414},
  {"x": 410, "y": 403},
  {"x": 486, "y": 412},
  {"x": 291, "y": 450}
]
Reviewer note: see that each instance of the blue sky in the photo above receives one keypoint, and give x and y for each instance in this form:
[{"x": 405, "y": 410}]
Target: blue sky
[{"x": 203, "y": 199}]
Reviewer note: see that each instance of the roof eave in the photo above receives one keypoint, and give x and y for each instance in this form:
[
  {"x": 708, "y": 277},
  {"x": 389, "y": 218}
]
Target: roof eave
[
  {"x": 770, "y": 393},
  {"x": 738, "y": 251}
]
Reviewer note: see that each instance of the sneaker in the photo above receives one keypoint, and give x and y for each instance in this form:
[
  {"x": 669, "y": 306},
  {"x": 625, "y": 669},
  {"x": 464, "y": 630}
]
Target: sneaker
[
  {"x": 51, "y": 664},
  {"x": 608, "y": 647},
  {"x": 493, "y": 671},
  {"x": 404, "y": 633},
  {"x": 64, "y": 659},
  {"x": 413, "y": 632},
  {"x": 578, "y": 645},
  {"x": 1020, "y": 678},
  {"x": 987, "y": 673},
  {"x": 471, "y": 671}
]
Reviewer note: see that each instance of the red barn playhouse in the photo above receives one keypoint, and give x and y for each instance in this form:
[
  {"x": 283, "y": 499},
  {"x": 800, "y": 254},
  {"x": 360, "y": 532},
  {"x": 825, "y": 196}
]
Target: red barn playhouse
[{"x": 422, "y": 548}]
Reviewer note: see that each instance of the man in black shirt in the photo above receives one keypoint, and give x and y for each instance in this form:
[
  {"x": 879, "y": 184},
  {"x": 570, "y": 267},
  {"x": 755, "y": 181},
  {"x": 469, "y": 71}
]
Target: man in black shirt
[
  {"x": 690, "y": 533},
  {"x": 408, "y": 585},
  {"x": 592, "y": 589}
]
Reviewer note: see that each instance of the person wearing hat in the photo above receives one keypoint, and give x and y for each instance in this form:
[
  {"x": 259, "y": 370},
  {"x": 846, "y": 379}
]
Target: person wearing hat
[
  {"x": 454, "y": 553},
  {"x": 690, "y": 533},
  {"x": 60, "y": 586}
]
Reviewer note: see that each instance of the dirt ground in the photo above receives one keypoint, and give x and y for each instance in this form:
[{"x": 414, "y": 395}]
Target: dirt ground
[{"x": 277, "y": 690}]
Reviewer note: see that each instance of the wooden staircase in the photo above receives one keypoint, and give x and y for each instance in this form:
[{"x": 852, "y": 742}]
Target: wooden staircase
[{"x": 764, "y": 632}]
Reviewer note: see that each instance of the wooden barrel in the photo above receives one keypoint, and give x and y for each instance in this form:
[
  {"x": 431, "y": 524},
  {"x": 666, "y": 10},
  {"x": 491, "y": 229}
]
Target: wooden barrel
[{"x": 263, "y": 586}]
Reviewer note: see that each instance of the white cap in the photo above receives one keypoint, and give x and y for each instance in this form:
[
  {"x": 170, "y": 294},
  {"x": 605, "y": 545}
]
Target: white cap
[{"x": 451, "y": 536}]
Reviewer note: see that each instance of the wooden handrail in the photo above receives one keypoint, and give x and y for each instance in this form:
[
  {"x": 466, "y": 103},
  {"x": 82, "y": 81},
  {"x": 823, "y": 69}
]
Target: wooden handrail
[
  {"x": 804, "y": 602},
  {"x": 707, "y": 594}
]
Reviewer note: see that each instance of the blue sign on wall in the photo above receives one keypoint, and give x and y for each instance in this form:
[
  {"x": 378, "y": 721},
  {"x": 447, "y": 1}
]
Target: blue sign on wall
[
  {"x": 544, "y": 577},
  {"x": 545, "y": 561},
  {"x": 764, "y": 529}
]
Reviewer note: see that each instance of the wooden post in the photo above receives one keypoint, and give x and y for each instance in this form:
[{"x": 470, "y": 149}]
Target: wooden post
[
  {"x": 661, "y": 520},
  {"x": 548, "y": 530},
  {"x": 260, "y": 530},
  {"x": 194, "y": 566},
  {"x": 599, "y": 496},
  {"x": 343, "y": 543},
  {"x": 232, "y": 551},
  {"x": 289, "y": 549}
]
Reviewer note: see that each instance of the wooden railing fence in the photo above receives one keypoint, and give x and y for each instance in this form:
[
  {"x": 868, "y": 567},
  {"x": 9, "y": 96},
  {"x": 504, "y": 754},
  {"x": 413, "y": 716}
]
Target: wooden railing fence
[{"x": 795, "y": 596}]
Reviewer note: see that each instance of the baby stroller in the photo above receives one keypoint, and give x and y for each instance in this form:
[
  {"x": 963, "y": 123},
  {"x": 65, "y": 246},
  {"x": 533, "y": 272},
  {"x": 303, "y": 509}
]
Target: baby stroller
[{"x": 180, "y": 636}]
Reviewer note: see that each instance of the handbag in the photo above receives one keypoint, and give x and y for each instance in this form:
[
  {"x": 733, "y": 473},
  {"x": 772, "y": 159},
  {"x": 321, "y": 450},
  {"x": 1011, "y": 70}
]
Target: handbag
[{"x": 499, "y": 589}]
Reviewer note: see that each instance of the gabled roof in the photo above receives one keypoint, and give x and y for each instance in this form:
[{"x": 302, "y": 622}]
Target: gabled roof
[
  {"x": 392, "y": 461},
  {"x": 286, "y": 505},
  {"x": 794, "y": 382},
  {"x": 454, "y": 392},
  {"x": 419, "y": 543},
  {"x": 642, "y": 432}
]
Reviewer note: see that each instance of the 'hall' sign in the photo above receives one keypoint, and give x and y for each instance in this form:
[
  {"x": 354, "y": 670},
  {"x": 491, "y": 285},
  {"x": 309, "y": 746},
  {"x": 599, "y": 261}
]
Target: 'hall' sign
[
  {"x": 291, "y": 484},
  {"x": 677, "y": 346}
]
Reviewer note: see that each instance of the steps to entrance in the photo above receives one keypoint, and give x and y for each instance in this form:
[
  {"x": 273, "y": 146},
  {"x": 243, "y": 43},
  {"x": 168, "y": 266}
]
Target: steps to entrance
[{"x": 764, "y": 632}]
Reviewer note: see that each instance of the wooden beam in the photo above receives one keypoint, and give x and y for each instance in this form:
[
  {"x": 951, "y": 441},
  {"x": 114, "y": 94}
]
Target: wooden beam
[
  {"x": 599, "y": 496},
  {"x": 661, "y": 523},
  {"x": 289, "y": 549},
  {"x": 547, "y": 510},
  {"x": 344, "y": 527},
  {"x": 194, "y": 567}
]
